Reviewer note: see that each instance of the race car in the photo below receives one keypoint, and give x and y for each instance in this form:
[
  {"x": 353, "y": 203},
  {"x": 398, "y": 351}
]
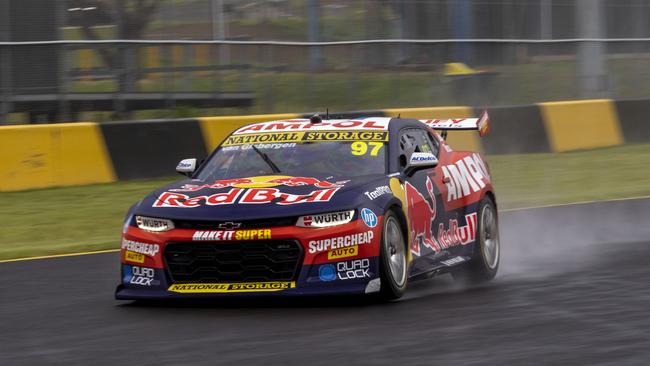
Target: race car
[{"x": 316, "y": 207}]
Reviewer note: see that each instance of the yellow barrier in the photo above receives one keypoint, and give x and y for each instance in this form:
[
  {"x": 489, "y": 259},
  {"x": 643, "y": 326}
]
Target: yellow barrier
[
  {"x": 75, "y": 153},
  {"x": 216, "y": 129},
  {"x": 53, "y": 155},
  {"x": 458, "y": 140},
  {"x": 581, "y": 124}
]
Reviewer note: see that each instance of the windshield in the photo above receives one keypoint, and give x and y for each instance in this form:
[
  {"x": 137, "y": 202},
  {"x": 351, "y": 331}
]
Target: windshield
[{"x": 314, "y": 159}]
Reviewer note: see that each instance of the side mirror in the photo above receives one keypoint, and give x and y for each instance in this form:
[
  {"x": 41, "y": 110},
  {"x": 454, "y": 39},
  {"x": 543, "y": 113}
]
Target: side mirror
[
  {"x": 186, "y": 167},
  {"x": 420, "y": 160}
]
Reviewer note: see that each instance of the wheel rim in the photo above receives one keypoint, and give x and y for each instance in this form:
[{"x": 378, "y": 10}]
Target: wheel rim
[
  {"x": 394, "y": 245},
  {"x": 489, "y": 237}
]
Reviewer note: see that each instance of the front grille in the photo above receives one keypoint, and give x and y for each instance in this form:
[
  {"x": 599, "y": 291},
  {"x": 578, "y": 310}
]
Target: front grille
[
  {"x": 273, "y": 260},
  {"x": 249, "y": 224}
]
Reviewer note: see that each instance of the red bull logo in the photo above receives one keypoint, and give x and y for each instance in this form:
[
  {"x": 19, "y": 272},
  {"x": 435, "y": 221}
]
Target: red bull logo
[
  {"x": 243, "y": 196},
  {"x": 261, "y": 182},
  {"x": 422, "y": 217},
  {"x": 458, "y": 235}
]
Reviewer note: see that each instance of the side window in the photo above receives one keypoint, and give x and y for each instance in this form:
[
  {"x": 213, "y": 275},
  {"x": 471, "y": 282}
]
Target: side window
[
  {"x": 433, "y": 142},
  {"x": 415, "y": 140},
  {"x": 407, "y": 142}
]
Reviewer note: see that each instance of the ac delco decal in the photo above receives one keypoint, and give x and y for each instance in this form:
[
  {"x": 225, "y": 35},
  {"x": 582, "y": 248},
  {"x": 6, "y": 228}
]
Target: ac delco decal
[
  {"x": 215, "y": 288},
  {"x": 465, "y": 177},
  {"x": 310, "y": 136},
  {"x": 305, "y": 125},
  {"x": 242, "y": 196}
]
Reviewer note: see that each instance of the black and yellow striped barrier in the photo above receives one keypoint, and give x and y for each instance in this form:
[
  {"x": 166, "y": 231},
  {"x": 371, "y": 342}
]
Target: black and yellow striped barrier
[{"x": 85, "y": 153}]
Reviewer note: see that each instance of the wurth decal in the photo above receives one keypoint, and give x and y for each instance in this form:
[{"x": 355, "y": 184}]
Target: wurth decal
[
  {"x": 242, "y": 196},
  {"x": 465, "y": 177}
]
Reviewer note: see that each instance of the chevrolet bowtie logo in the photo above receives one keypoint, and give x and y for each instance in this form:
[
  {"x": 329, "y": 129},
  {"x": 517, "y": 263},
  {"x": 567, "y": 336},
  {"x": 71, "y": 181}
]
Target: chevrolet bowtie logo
[{"x": 229, "y": 225}]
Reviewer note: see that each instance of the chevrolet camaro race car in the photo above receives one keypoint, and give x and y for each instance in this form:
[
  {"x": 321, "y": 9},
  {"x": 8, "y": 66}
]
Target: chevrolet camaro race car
[{"x": 316, "y": 207}]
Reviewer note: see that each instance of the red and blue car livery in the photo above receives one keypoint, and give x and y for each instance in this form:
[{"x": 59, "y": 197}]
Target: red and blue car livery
[{"x": 316, "y": 207}]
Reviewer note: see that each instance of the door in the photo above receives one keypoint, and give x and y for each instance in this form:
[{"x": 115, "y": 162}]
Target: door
[{"x": 423, "y": 202}]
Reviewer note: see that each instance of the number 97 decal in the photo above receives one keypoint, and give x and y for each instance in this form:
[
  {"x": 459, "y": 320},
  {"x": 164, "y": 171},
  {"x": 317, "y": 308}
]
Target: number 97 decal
[{"x": 360, "y": 148}]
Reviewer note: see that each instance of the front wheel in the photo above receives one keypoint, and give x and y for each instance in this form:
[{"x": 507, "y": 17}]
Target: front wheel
[
  {"x": 393, "y": 270},
  {"x": 485, "y": 259}
]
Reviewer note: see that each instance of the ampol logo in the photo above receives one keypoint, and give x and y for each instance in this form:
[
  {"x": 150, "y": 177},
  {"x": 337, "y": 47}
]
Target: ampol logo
[
  {"x": 327, "y": 272},
  {"x": 369, "y": 217}
]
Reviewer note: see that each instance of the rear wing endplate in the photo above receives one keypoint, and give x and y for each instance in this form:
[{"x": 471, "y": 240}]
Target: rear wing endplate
[{"x": 482, "y": 124}]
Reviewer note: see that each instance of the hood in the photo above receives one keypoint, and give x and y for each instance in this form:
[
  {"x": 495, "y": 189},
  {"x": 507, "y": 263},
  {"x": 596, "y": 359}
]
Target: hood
[{"x": 257, "y": 197}]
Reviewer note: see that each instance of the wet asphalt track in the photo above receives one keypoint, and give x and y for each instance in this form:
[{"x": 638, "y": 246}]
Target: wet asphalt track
[{"x": 573, "y": 289}]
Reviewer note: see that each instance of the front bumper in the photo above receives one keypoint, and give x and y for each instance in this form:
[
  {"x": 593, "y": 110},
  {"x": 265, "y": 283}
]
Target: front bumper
[{"x": 330, "y": 265}]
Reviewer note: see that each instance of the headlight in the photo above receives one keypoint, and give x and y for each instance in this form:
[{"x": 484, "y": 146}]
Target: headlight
[
  {"x": 153, "y": 224},
  {"x": 127, "y": 223},
  {"x": 325, "y": 220}
]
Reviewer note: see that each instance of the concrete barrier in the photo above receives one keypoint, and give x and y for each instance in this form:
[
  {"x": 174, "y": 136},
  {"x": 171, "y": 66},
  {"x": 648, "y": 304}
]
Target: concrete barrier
[
  {"x": 84, "y": 153},
  {"x": 53, "y": 155}
]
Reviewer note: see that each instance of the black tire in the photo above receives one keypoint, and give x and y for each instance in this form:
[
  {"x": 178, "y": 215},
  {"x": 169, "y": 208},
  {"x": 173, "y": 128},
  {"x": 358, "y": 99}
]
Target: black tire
[
  {"x": 481, "y": 267},
  {"x": 391, "y": 288}
]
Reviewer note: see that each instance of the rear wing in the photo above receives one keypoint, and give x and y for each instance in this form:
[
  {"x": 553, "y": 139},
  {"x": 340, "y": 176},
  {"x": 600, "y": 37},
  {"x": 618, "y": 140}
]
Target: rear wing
[{"x": 482, "y": 124}]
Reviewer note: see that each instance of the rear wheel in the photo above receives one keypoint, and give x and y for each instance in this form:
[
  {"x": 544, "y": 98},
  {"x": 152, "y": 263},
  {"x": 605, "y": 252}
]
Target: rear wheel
[
  {"x": 485, "y": 259},
  {"x": 393, "y": 263}
]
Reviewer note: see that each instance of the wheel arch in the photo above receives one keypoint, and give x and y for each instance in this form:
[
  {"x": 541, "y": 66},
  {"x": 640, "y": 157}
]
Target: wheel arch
[
  {"x": 396, "y": 207},
  {"x": 492, "y": 197}
]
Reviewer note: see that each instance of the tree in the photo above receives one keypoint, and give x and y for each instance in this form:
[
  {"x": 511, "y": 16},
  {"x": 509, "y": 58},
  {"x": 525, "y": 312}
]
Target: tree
[{"x": 131, "y": 18}]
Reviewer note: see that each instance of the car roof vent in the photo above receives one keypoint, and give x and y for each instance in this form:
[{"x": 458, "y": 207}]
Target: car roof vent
[{"x": 316, "y": 118}]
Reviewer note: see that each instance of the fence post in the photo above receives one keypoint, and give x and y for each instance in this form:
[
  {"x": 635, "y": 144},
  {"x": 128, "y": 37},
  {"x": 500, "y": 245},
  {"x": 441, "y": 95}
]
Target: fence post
[
  {"x": 546, "y": 19},
  {"x": 592, "y": 75},
  {"x": 62, "y": 53},
  {"x": 461, "y": 15},
  {"x": 5, "y": 63},
  {"x": 313, "y": 27},
  {"x": 219, "y": 30}
]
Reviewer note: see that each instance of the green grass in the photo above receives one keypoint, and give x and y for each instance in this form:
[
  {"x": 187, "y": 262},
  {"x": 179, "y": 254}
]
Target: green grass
[
  {"x": 541, "y": 179},
  {"x": 67, "y": 219},
  {"x": 62, "y": 220}
]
